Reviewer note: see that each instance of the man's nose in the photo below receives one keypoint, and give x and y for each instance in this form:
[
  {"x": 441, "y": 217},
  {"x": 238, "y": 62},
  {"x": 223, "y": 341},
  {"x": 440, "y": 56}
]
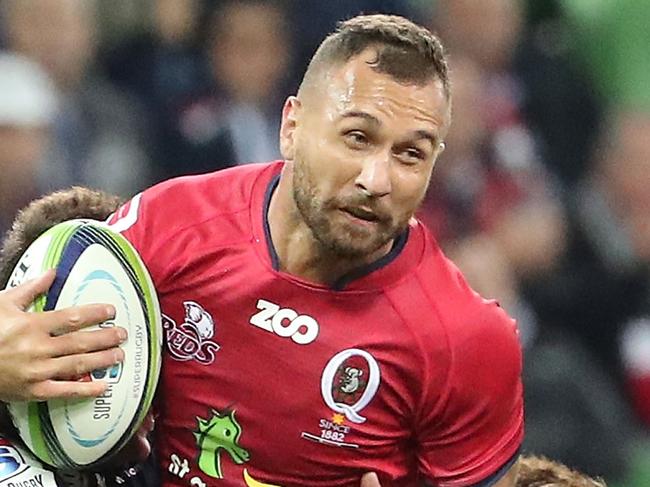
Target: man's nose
[{"x": 374, "y": 179}]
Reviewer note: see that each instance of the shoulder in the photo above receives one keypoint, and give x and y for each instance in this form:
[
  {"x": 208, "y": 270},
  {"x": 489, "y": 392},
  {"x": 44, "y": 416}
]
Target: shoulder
[
  {"x": 455, "y": 328},
  {"x": 470, "y": 419},
  {"x": 187, "y": 201},
  {"x": 463, "y": 311},
  {"x": 174, "y": 218},
  {"x": 226, "y": 188},
  {"x": 481, "y": 338}
]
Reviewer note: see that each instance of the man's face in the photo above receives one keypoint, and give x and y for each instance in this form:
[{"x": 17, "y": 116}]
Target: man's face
[{"x": 363, "y": 147}]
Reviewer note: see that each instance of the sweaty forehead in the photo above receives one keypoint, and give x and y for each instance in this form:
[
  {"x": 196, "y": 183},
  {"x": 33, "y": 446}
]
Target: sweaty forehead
[{"x": 356, "y": 86}]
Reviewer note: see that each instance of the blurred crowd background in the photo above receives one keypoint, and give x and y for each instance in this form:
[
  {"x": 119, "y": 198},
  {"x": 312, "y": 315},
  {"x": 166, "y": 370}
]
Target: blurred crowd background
[{"x": 542, "y": 196}]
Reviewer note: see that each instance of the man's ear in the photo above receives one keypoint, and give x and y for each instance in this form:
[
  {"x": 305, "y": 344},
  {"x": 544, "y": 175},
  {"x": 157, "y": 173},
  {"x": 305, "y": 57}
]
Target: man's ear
[
  {"x": 440, "y": 149},
  {"x": 290, "y": 114}
]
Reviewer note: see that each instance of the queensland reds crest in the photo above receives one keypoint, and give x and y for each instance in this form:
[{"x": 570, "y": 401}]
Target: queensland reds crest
[
  {"x": 191, "y": 340},
  {"x": 349, "y": 382}
]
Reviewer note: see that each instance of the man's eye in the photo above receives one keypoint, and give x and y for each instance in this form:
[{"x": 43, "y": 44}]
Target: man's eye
[
  {"x": 356, "y": 138},
  {"x": 413, "y": 155}
]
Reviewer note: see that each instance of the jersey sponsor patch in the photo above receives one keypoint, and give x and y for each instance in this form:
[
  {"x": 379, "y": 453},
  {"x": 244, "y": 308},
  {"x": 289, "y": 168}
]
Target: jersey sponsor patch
[
  {"x": 349, "y": 382},
  {"x": 285, "y": 322},
  {"x": 191, "y": 340}
]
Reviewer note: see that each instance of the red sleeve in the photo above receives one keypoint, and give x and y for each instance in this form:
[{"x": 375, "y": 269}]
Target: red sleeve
[
  {"x": 475, "y": 427},
  {"x": 164, "y": 221},
  {"x": 150, "y": 221},
  {"x": 137, "y": 221}
]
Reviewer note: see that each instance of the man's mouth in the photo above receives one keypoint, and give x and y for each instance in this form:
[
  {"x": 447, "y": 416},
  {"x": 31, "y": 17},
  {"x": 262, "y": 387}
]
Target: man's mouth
[{"x": 362, "y": 214}]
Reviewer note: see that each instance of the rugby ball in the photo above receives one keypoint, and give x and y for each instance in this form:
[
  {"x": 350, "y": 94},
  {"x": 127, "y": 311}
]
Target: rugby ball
[{"x": 94, "y": 264}]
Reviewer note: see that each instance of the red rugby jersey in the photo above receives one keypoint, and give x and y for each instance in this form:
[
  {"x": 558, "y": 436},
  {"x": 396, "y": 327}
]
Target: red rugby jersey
[{"x": 268, "y": 379}]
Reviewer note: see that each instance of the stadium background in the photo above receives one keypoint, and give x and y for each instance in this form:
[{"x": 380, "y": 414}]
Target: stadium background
[{"x": 541, "y": 197}]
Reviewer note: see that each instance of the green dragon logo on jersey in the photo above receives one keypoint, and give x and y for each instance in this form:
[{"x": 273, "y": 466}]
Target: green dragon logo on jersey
[{"x": 220, "y": 432}]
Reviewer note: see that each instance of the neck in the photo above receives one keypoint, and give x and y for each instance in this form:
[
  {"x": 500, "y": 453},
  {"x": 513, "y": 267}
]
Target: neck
[{"x": 299, "y": 253}]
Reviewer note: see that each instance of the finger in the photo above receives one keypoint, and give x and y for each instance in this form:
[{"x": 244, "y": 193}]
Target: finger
[
  {"x": 370, "y": 480},
  {"x": 148, "y": 423},
  {"x": 80, "y": 342},
  {"x": 82, "y": 364},
  {"x": 67, "y": 320},
  {"x": 58, "y": 389},
  {"x": 25, "y": 294}
]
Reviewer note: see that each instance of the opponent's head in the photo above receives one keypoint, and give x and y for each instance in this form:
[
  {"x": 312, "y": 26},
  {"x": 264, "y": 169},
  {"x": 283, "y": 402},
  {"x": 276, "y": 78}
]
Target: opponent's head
[
  {"x": 44, "y": 213},
  {"x": 365, "y": 130},
  {"x": 541, "y": 472}
]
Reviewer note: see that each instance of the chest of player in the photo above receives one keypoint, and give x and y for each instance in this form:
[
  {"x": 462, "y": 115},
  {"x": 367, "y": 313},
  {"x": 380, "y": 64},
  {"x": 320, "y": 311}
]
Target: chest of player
[{"x": 267, "y": 380}]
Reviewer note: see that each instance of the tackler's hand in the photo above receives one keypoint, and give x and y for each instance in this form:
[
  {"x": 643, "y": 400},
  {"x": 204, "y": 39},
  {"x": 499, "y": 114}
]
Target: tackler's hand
[{"x": 42, "y": 354}]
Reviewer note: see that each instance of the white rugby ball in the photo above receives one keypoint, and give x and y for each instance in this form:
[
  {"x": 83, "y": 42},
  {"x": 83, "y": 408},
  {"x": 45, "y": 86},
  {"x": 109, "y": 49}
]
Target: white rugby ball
[{"x": 93, "y": 264}]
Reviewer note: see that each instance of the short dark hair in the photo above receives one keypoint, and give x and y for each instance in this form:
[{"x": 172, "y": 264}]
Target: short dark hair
[
  {"x": 537, "y": 471},
  {"x": 44, "y": 213},
  {"x": 407, "y": 52}
]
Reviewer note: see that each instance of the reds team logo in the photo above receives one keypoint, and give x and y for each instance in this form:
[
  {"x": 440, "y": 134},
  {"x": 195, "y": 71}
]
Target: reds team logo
[
  {"x": 349, "y": 382},
  {"x": 191, "y": 340}
]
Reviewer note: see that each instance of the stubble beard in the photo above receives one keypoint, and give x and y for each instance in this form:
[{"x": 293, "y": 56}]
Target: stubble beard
[{"x": 335, "y": 240}]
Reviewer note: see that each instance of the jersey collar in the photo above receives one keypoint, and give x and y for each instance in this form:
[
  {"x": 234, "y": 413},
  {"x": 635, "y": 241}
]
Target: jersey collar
[{"x": 403, "y": 257}]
